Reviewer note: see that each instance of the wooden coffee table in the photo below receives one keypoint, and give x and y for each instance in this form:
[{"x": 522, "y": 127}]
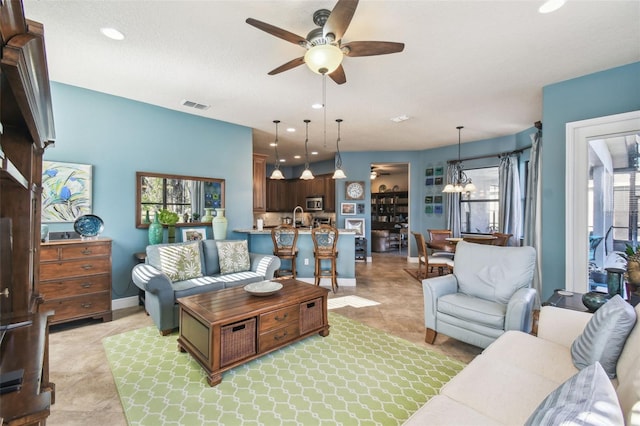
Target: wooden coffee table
[{"x": 226, "y": 328}]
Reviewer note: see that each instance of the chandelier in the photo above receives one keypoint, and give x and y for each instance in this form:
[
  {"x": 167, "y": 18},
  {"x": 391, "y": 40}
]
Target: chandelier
[{"x": 460, "y": 182}]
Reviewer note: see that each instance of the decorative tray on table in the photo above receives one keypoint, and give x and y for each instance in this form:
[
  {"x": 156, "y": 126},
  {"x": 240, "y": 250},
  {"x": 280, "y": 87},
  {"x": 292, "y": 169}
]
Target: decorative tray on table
[{"x": 263, "y": 288}]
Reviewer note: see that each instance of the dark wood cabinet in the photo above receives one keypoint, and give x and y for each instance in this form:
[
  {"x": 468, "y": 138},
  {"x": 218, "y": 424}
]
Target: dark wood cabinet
[
  {"x": 259, "y": 183},
  {"x": 26, "y": 128},
  {"x": 389, "y": 209},
  {"x": 285, "y": 195}
]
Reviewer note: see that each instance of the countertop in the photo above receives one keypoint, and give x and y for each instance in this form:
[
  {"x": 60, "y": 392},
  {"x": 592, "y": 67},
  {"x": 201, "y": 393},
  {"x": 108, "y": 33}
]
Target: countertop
[{"x": 301, "y": 231}]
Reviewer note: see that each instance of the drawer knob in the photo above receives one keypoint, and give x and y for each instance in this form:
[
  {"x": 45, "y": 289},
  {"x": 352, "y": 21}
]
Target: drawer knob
[
  {"x": 280, "y": 337},
  {"x": 282, "y": 318},
  {"x": 86, "y": 285},
  {"x": 86, "y": 251},
  {"x": 87, "y": 267},
  {"x": 87, "y": 305}
]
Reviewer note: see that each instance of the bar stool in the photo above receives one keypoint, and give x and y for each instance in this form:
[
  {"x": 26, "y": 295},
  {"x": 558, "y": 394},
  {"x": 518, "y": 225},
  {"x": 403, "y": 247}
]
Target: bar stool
[
  {"x": 325, "y": 239},
  {"x": 284, "y": 239}
]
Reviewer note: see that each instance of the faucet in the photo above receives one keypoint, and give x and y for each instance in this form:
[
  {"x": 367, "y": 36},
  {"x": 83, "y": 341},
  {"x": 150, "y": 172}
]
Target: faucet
[{"x": 294, "y": 214}]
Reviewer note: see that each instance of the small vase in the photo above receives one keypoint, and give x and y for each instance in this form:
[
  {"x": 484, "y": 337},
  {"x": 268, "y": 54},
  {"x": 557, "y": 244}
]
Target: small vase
[
  {"x": 208, "y": 214},
  {"x": 146, "y": 218},
  {"x": 171, "y": 233},
  {"x": 156, "y": 233},
  {"x": 219, "y": 224}
]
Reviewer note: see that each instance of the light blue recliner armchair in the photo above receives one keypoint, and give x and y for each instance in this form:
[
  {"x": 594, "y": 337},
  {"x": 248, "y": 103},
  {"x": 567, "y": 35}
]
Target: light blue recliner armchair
[{"x": 488, "y": 293}]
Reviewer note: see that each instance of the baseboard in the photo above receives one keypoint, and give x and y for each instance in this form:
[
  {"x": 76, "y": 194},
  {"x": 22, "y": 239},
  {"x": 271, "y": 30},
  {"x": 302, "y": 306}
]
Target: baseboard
[
  {"x": 326, "y": 282},
  {"x": 412, "y": 259},
  {"x": 125, "y": 302}
]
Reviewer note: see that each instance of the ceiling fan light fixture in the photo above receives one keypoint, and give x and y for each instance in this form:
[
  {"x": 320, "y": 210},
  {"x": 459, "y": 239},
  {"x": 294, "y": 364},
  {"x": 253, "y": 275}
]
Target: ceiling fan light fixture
[
  {"x": 323, "y": 58},
  {"x": 373, "y": 175},
  {"x": 551, "y": 6}
]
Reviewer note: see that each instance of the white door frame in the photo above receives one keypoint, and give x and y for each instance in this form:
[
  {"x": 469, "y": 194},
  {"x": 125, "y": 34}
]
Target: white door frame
[{"x": 578, "y": 134}]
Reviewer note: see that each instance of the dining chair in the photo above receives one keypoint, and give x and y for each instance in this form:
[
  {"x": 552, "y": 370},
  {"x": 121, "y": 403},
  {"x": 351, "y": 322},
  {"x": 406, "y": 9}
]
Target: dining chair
[
  {"x": 439, "y": 262},
  {"x": 502, "y": 240},
  {"x": 325, "y": 240},
  {"x": 284, "y": 239}
]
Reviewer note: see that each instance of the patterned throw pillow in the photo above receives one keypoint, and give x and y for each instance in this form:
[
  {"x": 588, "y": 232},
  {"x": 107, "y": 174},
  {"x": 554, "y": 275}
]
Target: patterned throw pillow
[
  {"x": 234, "y": 256},
  {"x": 604, "y": 336},
  {"x": 587, "y": 398},
  {"x": 180, "y": 261}
]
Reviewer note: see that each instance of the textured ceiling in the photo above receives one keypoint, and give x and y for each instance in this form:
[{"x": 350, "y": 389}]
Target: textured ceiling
[{"x": 481, "y": 64}]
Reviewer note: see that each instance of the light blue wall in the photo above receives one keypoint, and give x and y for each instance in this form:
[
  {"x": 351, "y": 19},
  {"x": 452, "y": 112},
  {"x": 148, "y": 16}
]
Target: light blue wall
[
  {"x": 119, "y": 137},
  {"x": 604, "y": 93}
]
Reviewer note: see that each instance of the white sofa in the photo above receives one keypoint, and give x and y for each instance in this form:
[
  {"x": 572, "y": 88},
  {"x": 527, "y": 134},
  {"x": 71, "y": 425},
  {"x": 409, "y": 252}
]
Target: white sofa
[{"x": 506, "y": 383}]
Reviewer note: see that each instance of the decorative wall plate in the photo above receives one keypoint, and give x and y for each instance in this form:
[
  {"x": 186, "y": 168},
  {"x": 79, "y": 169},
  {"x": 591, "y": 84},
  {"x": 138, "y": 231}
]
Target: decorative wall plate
[
  {"x": 382, "y": 188},
  {"x": 88, "y": 225}
]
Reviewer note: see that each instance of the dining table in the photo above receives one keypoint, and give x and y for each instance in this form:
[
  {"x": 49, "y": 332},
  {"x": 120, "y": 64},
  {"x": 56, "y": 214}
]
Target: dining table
[{"x": 449, "y": 244}]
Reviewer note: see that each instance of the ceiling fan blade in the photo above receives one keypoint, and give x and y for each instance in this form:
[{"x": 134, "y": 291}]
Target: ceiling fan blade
[
  {"x": 340, "y": 18},
  {"x": 289, "y": 65},
  {"x": 338, "y": 75},
  {"x": 278, "y": 32},
  {"x": 372, "y": 48}
]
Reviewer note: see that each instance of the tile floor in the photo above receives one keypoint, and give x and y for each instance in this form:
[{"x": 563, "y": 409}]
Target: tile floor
[{"x": 86, "y": 393}]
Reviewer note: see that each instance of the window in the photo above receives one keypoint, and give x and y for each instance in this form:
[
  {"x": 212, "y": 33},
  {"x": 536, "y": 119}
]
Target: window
[{"x": 480, "y": 209}]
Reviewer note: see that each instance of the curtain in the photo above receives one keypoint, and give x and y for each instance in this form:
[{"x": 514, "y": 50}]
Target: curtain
[
  {"x": 532, "y": 210},
  {"x": 197, "y": 197},
  {"x": 509, "y": 183},
  {"x": 453, "y": 202}
]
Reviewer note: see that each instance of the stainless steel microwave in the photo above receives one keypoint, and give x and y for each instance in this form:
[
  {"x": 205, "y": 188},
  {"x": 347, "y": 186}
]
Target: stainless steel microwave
[{"x": 314, "y": 204}]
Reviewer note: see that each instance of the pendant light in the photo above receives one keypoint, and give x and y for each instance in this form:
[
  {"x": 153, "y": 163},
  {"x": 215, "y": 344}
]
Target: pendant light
[
  {"x": 276, "y": 174},
  {"x": 459, "y": 183},
  {"x": 339, "y": 173},
  {"x": 306, "y": 174}
]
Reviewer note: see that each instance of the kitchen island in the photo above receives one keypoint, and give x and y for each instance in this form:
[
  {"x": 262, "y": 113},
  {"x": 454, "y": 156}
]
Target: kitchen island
[{"x": 260, "y": 242}]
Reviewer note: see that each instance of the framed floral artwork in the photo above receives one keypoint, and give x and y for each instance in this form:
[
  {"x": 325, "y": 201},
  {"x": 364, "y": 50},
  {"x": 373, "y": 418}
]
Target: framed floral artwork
[{"x": 66, "y": 191}]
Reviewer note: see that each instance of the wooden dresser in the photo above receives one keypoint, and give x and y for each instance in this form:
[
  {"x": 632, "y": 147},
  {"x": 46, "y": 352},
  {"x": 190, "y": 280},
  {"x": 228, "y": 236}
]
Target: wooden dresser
[{"x": 75, "y": 279}]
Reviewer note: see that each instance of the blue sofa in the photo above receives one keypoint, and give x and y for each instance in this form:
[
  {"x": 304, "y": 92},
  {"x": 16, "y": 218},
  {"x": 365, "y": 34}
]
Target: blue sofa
[{"x": 163, "y": 290}]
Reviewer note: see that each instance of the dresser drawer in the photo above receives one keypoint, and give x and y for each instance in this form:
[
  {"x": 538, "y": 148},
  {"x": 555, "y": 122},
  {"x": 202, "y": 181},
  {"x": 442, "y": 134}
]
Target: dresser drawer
[
  {"x": 74, "y": 287},
  {"x": 276, "y": 337},
  {"x": 279, "y": 318},
  {"x": 48, "y": 253},
  {"x": 78, "y": 307},
  {"x": 84, "y": 251},
  {"x": 75, "y": 268}
]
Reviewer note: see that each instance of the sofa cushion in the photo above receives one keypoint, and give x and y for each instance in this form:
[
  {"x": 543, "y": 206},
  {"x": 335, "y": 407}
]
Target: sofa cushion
[
  {"x": 181, "y": 261},
  {"x": 441, "y": 410},
  {"x": 587, "y": 398},
  {"x": 210, "y": 257},
  {"x": 492, "y": 272},
  {"x": 473, "y": 309},
  {"x": 604, "y": 336},
  {"x": 234, "y": 256}
]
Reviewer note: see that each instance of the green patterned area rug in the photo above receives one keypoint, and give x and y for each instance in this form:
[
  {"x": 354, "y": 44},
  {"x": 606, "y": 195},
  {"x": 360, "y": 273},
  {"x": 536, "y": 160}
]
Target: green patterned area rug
[{"x": 355, "y": 376}]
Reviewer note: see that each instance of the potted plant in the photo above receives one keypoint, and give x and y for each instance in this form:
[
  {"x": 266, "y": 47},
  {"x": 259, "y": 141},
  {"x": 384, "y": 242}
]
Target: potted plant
[{"x": 169, "y": 219}]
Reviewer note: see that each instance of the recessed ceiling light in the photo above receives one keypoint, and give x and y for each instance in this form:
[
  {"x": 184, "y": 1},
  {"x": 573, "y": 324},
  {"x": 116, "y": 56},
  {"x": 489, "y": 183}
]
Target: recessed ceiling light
[
  {"x": 400, "y": 118},
  {"x": 282, "y": 160},
  {"x": 273, "y": 144},
  {"x": 112, "y": 33},
  {"x": 291, "y": 129},
  {"x": 551, "y": 6},
  {"x": 297, "y": 157},
  {"x": 317, "y": 106},
  {"x": 314, "y": 152}
]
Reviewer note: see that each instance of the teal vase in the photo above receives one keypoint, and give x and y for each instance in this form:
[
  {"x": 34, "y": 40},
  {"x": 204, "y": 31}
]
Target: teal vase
[
  {"x": 219, "y": 224},
  {"x": 155, "y": 231}
]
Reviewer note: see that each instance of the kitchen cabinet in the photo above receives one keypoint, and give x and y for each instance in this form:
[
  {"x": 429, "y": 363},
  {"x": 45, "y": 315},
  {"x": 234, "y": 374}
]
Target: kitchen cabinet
[
  {"x": 259, "y": 183},
  {"x": 285, "y": 195}
]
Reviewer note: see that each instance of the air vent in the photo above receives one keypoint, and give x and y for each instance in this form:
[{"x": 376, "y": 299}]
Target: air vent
[{"x": 191, "y": 104}]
